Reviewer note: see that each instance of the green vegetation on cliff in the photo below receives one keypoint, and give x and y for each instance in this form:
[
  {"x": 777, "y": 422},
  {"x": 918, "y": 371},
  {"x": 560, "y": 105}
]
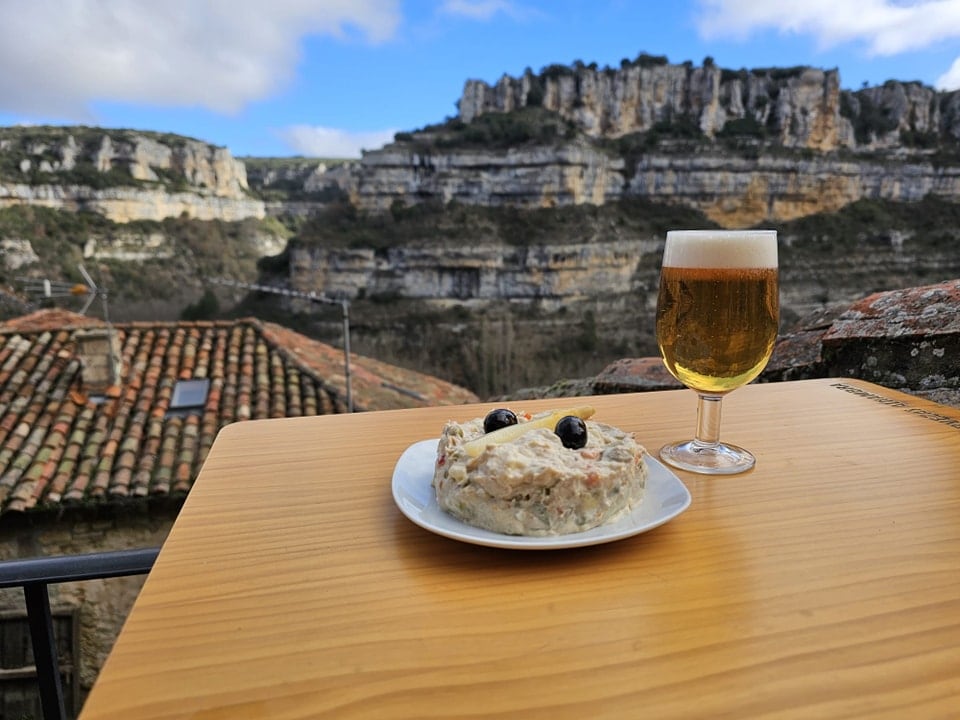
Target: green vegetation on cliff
[
  {"x": 935, "y": 221},
  {"x": 494, "y": 131},
  {"x": 55, "y": 155},
  {"x": 342, "y": 225},
  {"x": 192, "y": 252}
]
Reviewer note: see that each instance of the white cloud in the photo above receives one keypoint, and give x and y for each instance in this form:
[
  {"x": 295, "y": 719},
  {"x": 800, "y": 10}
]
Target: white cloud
[
  {"x": 323, "y": 142},
  {"x": 480, "y": 9},
  {"x": 884, "y": 27},
  {"x": 59, "y": 55},
  {"x": 950, "y": 80}
]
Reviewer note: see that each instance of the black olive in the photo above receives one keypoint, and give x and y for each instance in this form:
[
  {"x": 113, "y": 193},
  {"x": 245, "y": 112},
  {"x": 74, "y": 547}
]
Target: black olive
[
  {"x": 572, "y": 432},
  {"x": 496, "y": 419}
]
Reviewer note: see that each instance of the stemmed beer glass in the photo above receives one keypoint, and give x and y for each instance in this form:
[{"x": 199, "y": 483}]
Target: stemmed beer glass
[{"x": 718, "y": 312}]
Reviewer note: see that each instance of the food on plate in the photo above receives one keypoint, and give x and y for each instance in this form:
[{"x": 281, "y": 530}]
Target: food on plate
[{"x": 553, "y": 473}]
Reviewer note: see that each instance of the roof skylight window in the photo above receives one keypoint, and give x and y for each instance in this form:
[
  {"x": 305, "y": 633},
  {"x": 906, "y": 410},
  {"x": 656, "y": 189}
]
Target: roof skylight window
[{"x": 189, "y": 396}]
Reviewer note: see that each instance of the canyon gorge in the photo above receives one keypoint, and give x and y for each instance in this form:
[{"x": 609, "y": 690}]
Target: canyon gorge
[{"x": 519, "y": 240}]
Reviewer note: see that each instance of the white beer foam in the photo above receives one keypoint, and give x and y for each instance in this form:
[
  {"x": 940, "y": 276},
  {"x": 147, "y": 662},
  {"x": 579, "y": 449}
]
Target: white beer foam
[{"x": 721, "y": 249}]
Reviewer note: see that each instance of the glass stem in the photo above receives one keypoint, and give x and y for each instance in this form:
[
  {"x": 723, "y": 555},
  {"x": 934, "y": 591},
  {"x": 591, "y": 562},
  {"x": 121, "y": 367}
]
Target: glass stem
[{"x": 708, "y": 420}]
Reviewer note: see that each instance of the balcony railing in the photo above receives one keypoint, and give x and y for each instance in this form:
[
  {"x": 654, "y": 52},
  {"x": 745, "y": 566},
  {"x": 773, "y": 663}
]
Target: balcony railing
[{"x": 34, "y": 575}]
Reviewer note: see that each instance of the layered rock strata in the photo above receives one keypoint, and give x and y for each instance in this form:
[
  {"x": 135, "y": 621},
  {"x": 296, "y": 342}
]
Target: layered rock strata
[
  {"x": 801, "y": 107},
  {"x": 123, "y": 175},
  {"x": 570, "y": 174},
  {"x": 552, "y": 275},
  {"x": 732, "y": 191},
  {"x": 126, "y": 204},
  {"x": 741, "y": 146},
  {"x": 547, "y": 276}
]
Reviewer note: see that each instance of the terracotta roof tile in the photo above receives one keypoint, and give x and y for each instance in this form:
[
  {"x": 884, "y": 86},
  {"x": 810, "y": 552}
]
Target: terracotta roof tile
[
  {"x": 51, "y": 319},
  {"x": 60, "y": 444}
]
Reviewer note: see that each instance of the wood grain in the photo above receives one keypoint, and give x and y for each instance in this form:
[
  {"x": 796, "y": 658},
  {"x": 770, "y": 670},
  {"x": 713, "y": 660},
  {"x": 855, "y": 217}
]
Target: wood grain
[{"x": 824, "y": 583}]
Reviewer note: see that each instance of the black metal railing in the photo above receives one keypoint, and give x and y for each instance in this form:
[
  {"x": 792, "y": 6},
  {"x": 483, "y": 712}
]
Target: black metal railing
[{"x": 34, "y": 575}]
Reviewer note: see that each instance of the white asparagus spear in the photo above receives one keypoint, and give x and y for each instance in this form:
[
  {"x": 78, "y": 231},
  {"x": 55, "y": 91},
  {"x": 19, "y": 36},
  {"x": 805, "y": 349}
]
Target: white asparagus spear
[{"x": 512, "y": 432}]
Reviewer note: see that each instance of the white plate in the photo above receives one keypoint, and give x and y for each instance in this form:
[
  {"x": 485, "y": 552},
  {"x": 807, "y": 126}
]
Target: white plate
[{"x": 664, "y": 499}]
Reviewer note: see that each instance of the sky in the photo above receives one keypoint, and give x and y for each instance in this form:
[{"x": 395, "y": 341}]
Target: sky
[{"x": 328, "y": 78}]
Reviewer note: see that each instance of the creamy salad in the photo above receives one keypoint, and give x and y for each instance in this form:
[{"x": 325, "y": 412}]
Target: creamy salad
[{"x": 533, "y": 484}]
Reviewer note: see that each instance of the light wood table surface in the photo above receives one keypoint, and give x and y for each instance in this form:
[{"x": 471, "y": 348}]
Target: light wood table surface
[{"x": 824, "y": 583}]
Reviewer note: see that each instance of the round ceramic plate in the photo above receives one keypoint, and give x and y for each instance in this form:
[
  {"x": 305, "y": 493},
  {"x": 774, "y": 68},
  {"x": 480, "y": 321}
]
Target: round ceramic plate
[{"x": 665, "y": 498}]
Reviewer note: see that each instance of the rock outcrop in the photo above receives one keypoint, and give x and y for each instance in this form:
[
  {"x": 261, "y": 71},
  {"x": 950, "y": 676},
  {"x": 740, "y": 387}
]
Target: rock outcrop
[
  {"x": 123, "y": 175},
  {"x": 571, "y": 174},
  {"x": 801, "y": 107},
  {"x": 428, "y": 298},
  {"x": 609, "y": 257},
  {"x": 732, "y": 191},
  {"x": 126, "y": 204},
  {"x": 743, "y": 147},
  {"x": 547, "y": 276}
]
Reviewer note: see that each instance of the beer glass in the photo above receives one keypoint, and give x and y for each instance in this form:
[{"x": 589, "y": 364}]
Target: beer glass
[{"x": 718, "y": 312}]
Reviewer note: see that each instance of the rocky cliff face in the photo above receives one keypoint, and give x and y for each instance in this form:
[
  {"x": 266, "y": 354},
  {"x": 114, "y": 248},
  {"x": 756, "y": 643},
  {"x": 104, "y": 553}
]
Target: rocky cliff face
[
  {"x": 731, "y": 190},
  {"x": 565, "y": 291},
  {"x": 799, "y": 107},
  {"x": 123, "y": 175},
  {"x": 737, "y": 148},
  {"x": 743, "y": 147},
  {"x": 547, "y": 276},
  {"x": 740, "y": 192},
  {"x": 571, "y": 174},
  {"x": 126, "y": 204}
]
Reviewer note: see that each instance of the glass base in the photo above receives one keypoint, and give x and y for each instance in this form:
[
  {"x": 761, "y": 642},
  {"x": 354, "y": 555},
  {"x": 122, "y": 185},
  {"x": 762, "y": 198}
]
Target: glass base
[{"x": 709, "y": 459}]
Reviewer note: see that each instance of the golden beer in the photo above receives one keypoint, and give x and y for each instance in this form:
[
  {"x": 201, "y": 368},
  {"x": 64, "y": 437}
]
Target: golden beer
[
  {"x": 717, "y": 317},
  {"x": 716, "y": 326}
]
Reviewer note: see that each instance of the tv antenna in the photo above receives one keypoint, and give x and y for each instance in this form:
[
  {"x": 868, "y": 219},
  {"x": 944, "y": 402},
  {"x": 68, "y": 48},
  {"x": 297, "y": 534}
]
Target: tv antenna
[
  {"x": 108, "y": 373},
  {"x": 93, "y": 291},
  {"x": 44, "y": 289},
  {"x": 312, "y": 297}
]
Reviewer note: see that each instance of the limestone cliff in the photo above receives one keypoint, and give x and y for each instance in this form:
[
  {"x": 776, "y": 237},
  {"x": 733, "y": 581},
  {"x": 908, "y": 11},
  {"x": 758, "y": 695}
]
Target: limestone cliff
[
  {"x": 500, "y": 299},
  {"x": 744, "y": 147},
  {"x": 609, "y": 255},
  {"x": 730, "y": 189},
  {"x": 540, "y": 176},
  {"x": 800, "y": 107},
  {"x": 548, "y": 276},
  {"x": 123, "y": 174},
  {"x": 740, "y": 192}
]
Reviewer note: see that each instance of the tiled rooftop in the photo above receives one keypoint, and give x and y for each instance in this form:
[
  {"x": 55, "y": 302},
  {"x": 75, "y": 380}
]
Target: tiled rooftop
[{"x": 61, "y": 445}]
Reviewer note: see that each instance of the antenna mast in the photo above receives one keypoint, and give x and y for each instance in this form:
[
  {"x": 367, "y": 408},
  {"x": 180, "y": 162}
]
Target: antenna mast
[
  {"x": 93, "y": 291},
  {"x": 45, "y": 289},
  {"x": 103, "y": 364},
  {"x": 312, "y": 297}
]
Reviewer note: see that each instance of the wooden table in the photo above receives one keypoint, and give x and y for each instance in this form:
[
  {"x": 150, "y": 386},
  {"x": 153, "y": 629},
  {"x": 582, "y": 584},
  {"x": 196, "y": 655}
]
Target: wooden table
[{"x": 824, "y": 583}]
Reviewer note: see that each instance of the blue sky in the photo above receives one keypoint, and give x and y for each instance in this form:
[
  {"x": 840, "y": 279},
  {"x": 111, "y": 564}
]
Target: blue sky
[{"x": 324, "y": 78}]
